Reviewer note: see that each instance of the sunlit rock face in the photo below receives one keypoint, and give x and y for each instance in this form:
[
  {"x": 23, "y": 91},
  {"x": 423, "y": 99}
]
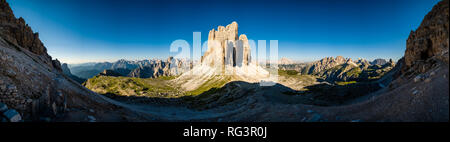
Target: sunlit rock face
[
  {"x": 226, "y": 48},
  {"x": 430, "y": 40}
]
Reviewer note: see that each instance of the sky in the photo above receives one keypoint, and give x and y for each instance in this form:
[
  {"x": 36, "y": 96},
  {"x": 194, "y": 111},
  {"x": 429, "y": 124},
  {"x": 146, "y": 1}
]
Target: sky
[{"x": 77, "y": 31}]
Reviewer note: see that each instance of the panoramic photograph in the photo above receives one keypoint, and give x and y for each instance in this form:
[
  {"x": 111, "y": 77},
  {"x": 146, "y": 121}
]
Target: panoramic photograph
[{"x": 224, "y": 61}]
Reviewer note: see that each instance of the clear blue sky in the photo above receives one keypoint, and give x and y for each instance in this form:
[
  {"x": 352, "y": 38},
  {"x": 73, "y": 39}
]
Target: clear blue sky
[{"x": 77, "y": 31}]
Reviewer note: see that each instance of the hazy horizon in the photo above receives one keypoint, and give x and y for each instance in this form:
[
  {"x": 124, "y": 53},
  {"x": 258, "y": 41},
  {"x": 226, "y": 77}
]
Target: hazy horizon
[{"x": 81, "y": 31}]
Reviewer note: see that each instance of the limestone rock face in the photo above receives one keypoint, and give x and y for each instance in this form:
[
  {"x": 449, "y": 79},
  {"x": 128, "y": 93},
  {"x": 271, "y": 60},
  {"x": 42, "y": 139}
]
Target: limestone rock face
[
  {"x": 364, "y": 64},
  {"x": 225, "y": 47},
  {"x": 430, "y": 40}
]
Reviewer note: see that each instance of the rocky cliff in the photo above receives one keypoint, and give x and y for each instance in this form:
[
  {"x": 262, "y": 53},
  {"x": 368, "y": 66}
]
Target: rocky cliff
[
  {"x": 429, "y": 43},
  {"x": 225, "y": 47},
  {"x": 16, "y": 32}
]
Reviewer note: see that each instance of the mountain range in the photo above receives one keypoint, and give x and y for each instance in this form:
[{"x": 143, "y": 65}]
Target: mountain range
[{"x": 143, "y": 68}]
